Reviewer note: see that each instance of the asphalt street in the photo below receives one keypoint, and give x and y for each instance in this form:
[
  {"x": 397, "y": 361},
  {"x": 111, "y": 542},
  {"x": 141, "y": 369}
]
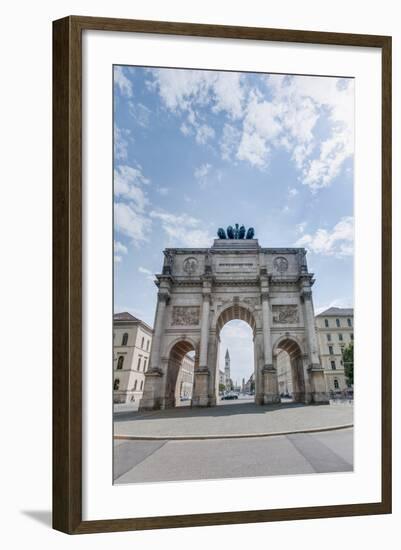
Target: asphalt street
[
  {"x": 231, "y": 418},
  {"x": 302, "y": 453}
]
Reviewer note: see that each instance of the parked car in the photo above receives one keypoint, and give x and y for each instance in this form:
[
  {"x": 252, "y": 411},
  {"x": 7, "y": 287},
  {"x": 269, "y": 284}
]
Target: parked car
[{"x": 230, "y": 395}]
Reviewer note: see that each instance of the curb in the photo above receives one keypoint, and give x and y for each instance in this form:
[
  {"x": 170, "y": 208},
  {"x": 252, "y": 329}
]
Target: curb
[{"x": 229, "y": 436}]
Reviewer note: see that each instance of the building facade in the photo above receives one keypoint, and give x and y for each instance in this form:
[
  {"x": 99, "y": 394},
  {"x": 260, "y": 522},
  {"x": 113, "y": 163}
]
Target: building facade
[
  {"x": 201, "y": 289},
  {"x": 185, "y": 379},
  {"x": 335, "y": 329},
  {"x": 284, "y": 374},
  {"x": 132, "y": 340}
]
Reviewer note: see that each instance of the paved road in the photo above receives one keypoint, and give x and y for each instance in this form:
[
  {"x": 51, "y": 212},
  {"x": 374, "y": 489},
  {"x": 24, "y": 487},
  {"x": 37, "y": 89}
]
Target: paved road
[
  {"x": 146, "y": 461},
  {"x": 232, "y": 419}
]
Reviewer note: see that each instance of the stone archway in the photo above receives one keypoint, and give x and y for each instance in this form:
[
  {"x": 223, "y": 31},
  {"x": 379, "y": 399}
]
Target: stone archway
[
  {"x": 200, "y": 289},
  {"x": 292, "y": 348},
  {"x": 236, "y": 311},
  {"x": 175, "y": 360}
]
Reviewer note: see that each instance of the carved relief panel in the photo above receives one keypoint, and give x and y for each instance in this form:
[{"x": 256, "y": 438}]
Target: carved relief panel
[
  {"x": 285, "y": 314},
  {"x": 186, "y": 315}
]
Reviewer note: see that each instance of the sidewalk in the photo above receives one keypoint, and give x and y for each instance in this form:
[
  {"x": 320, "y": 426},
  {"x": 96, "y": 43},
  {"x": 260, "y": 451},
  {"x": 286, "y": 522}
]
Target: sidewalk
[{"x": 234, "y": 420}]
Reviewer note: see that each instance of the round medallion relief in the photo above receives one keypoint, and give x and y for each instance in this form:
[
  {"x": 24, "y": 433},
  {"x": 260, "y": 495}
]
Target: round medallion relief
[
  {"x": 280, "y": 264},
  {"x": 190, "y": 265}
]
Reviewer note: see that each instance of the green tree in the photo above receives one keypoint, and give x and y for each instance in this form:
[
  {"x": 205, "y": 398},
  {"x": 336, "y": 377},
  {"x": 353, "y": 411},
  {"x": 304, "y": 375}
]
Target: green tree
[
  {"x": 348, "y": 359},
  {"x": 221, "y": 387}
]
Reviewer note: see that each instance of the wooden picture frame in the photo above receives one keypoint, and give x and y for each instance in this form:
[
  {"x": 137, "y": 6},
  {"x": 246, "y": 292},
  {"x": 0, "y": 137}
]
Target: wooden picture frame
[{"x": 67, "y": 273}]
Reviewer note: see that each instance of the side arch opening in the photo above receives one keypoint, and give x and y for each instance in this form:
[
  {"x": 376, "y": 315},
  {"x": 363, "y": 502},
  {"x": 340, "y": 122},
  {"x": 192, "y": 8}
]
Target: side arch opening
[
  {"x": 290, "y": 373},
  {"x": 182, "y": 362}
]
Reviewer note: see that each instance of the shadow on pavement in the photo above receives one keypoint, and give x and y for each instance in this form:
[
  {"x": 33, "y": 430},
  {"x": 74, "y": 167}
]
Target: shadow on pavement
[{"x": 217, "y": 411}]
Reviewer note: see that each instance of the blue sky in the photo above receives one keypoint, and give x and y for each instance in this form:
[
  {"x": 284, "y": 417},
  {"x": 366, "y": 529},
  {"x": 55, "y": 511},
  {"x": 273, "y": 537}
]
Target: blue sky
[{"x": 196, "y": 150}]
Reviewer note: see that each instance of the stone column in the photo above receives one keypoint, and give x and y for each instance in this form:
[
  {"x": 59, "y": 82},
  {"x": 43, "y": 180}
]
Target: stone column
[
  {"x": 200, "y": 397},
  {"x": 204, "y": 339},
  {"x": 259, "y": 361},
  {"x": 310, "y": 328},
  {"x": 213, "y": 368},
  {"x": 270, "y": 381},
  {"x": 267, "y": 340},
  {"x": 152, "y": 397},
  {"x": 315, "y": 370}
]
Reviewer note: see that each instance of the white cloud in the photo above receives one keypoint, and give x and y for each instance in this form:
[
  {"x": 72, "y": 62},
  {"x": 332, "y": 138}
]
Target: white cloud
[
  {"x": 130, "y": 222},
  {"x": 121, "y": 136},
  {"x": 189, "y": 91},
  {"x": 303, "y": 101},
  {"x": 300, "y": 227},
  {"x": 230, "y": 141},
  {"x": 182, "y": 229},
  {"x": 120, "y": 248},
  {"x": 128, "y": 182},
  {"x": 288, "y": 120},
  {"x": 203, "y": 133},
  {"x": 320, "y": 172},
  {"x": 228, "y": 93},
  {"x": 144, "y": 270},
  {"x": 185, "y": 89},
  {"x": 258, "y": 123},
  {"x": 122, "y": 82},
  {"x": 292, "y": 192},
  {"x": 149, "y": 274},
  {"x": 201, "y": 173},
  {"x": 140, "y": 113},
  {"x": 337, "y": 242}
]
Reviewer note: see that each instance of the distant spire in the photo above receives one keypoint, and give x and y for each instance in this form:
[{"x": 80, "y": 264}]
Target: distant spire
[{"x": 227, "y": 354}]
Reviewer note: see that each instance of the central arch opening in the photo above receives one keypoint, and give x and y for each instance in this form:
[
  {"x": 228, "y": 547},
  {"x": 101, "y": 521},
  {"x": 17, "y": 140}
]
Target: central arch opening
[
  {"x": 236, "y": 359},
  {"x": 290, "y": 374}
]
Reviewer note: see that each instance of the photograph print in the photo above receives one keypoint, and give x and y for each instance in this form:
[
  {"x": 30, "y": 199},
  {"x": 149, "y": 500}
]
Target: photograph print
[{"x": 233, "y": 325}]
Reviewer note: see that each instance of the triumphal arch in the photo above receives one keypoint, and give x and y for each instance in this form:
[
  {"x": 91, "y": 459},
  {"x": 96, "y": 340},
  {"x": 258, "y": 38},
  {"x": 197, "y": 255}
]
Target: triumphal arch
[{"x": 201, "y": 289}]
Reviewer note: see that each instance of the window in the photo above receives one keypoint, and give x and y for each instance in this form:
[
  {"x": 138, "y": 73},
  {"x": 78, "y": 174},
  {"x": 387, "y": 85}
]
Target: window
[
  {"x": 147, "y": 345},
  {"x": 135, "y": 385},
  {"x": 349, "y": 322},
  {"x": 328, "y": 337},
  {"x": 125, "y": 339},
  {"x": 352, "y": 336},
  {"x": 337, "y": 322},
  {"x": 141, "y": 385},
  {"x": 336, "y": 385},
  {"x": 331, "y": 350},
  {"x": 143, "y": 342},
  {"x": 144, "y": 364},
  {"x": 116, "y": 383},
  {"x": 333, "y": 365},
  {"x": 120, "y": 362},
  {"x": 326, "y": 323},
  {"x": 139, "y": 362},
  {"x": 340, "y": 337}
]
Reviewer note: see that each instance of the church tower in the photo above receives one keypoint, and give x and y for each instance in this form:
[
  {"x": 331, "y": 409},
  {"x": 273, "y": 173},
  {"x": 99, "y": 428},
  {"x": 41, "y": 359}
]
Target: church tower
[{"x": 227, "y": 371}]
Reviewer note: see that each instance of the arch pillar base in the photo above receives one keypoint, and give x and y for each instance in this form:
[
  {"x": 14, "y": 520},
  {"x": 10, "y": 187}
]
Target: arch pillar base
[
  {"x": 200, "y": 396},
  {"x": 270, "y": 385},
  {"x": 259, "y": 399},
  {"x": 151, "y": 397},
  {"x": 318, "y": 384}
]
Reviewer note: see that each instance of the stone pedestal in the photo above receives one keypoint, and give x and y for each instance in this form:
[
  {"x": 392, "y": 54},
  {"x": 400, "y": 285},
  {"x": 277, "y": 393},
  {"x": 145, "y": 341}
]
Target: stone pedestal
[
  {"x": 270, "y": 385},
  {"x": 318, "y": 383},
  {"x": 200, "y": 396},
  {"x": 151, "y": 397}
]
